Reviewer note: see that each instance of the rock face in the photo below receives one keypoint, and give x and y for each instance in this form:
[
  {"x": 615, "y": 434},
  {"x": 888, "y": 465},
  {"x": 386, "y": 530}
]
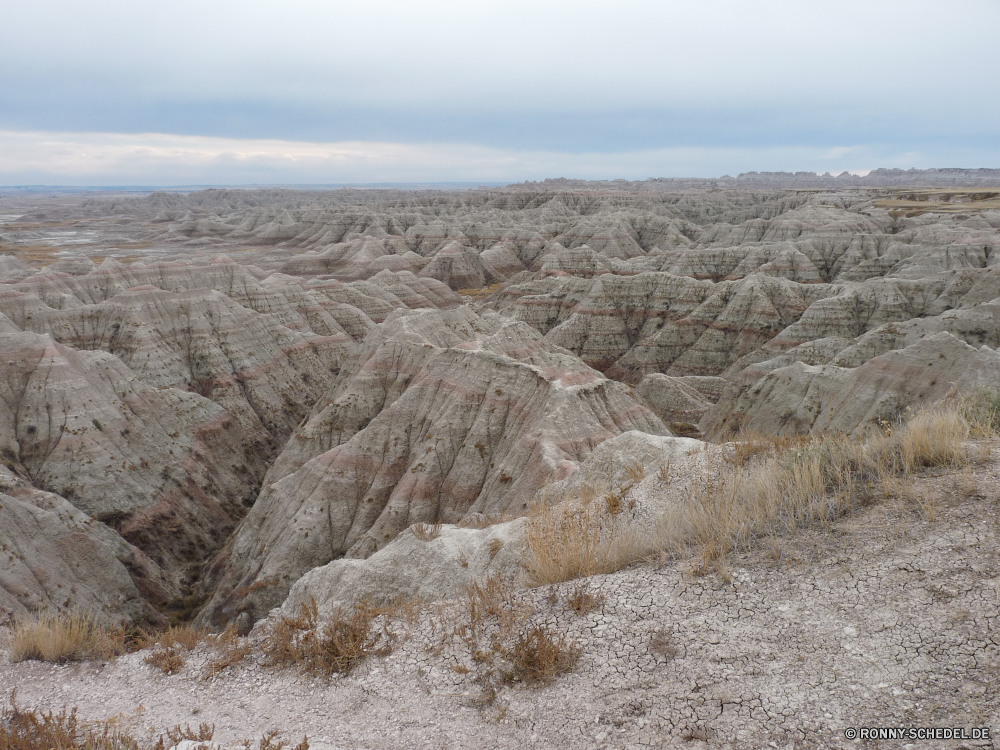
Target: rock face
[
  {"x": 445, "y": 415},
  {"x": 54, "y": 557},
  {"x": 171, "y": 470},
  {"x": 411, "y": 567}
]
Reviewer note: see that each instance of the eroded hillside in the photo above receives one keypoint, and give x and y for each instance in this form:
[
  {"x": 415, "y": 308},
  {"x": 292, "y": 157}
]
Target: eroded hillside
[{"x": 213, "y": 394}]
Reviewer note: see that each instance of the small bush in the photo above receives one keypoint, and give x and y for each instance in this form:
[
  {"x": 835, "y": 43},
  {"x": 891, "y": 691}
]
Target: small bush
[
  {"x": 538, "y": 656},
  {"x": 230, "y": 649},
  {"x": 168, "y": 660},
  {"x": 185, "y": 636},
  {"x": 582, "y": 601},
  {"x": 38, "y": 730},
  {"x": 336, "y": 647},
  {"x": 66, "y": 637}
]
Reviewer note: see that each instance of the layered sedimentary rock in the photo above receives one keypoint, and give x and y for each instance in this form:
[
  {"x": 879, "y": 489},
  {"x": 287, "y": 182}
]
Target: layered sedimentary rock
[
  {"x": 444, "y": 415},
  {"x": 726, "y": 303},
  {"x": 260, "y": 371},
  {"x": 55, "y": 558},
  {"x": 801, "y": 398},
  {"x": 167, "y": 468}
]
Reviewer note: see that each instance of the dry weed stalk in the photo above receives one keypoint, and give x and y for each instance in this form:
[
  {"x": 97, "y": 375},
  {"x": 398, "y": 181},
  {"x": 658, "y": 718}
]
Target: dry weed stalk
[
  {"x": 230, "y": 649},
  {"x": 335, "y": 647},
  {"x": 539, "y": 655},
  {"x": 39, "y": 730},
  {"x": 582, "y": 601},
  {"x": 167, "y": 660},
  {"x": 425, "y": 532},
  {"x": 185, "y": 636}
]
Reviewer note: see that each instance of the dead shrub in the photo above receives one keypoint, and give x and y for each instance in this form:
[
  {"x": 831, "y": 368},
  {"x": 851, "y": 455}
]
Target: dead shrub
[
  {"x": 662, "y": 645},
  {"x": 336, "y": 647},
  {"x": 168, "y": 660},
  {"x": 491, "y": 602},
  {"x": 582, "y": 601},
  {"x": 267, "y": 742},
  {"x": 185, "y": 636},
  {"x": 538, "y": 656},
  {"x": 66, "y": 637},
  {"x": 230, "y": 649},
  {"x": 38, "y": 730}
]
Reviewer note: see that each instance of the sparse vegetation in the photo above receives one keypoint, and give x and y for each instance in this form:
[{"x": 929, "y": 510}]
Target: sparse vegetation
[
  {"x": 789, "y": 483},
  {"x": 230, "y": 649},
  {"x": 425, "y": 532},
  {"x": 22, "y": 729},
  {"x": 67, "y": 637},
  {"x": 981, "y": 410},
  {"x": 539, "y": 655},
  {"x": 336, "y": 647},
  {"x": 759, "y": 486},
  {"x": 167, "y": 660},
  {"x": 582, "y": 601}
]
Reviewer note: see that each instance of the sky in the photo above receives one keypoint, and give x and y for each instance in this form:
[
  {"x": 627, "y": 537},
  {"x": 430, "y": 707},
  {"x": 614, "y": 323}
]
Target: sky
[{"x": 116, "y": 92}]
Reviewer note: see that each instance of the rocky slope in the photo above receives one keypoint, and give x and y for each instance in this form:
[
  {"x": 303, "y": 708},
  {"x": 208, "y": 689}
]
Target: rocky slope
[{"x": 445, "y": 417}]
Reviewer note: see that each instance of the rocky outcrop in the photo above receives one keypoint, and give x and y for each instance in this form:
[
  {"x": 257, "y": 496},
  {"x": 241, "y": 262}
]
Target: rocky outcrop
[
  {"x": 258, "y": 370},
  {"x": 683, "y": 399},
  {"x": 445, "y": 415}
]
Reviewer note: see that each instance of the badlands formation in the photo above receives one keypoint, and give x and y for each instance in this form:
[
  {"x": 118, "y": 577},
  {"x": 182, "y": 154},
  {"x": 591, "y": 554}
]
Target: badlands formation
[{"x": 220, "y": 403}]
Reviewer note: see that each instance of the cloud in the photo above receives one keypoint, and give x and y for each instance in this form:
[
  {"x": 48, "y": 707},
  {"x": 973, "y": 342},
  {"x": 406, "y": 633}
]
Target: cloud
[
  {"x": 31, "y": 157},
  {"x": 531, "y": 75}
]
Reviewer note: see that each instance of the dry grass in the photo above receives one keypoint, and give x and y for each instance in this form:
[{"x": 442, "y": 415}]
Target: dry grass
[
  {"x": 184, "y": 636},
  {"x": 38, "y": 730},
  {"x": 67, "y": 637},
  {"x": 582, "y": 601},
  {"x": 230, "y": 649},
  {"x": 336, "y": 647},
  {"x": 425, "y": 532},
  {"x": 491, "y": 605},
  {"x": 662, "y": 645},
  {"x": 169, "y": 661},
  {"x": 796, "y": 483},
  {"x": 981, "y": 410},
  {"x": 539, "y": 655},
  {"x": 577, "y": 538},
  {"x": 759, "y": 487}
]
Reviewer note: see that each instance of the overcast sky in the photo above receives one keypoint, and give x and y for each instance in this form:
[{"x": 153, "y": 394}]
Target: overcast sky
[{"x": 306, "y": 91}]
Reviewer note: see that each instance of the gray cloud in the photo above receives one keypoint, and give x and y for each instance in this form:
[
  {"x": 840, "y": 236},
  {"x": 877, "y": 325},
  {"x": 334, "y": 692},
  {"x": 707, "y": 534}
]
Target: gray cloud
[{"x": 585, "y": 76}]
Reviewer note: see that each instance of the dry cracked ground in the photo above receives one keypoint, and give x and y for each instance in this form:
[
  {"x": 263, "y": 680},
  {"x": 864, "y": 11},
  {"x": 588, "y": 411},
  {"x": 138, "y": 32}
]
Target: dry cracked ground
[{"x": 220, "y": 403}]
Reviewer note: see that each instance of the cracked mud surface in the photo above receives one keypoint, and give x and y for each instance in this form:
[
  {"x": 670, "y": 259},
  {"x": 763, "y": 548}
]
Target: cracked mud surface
[{"x": 885, "y": 618}]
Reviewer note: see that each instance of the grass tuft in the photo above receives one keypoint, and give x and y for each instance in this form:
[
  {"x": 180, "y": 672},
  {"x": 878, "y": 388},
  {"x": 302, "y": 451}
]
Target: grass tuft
[{"x": 66, "y": 637}]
